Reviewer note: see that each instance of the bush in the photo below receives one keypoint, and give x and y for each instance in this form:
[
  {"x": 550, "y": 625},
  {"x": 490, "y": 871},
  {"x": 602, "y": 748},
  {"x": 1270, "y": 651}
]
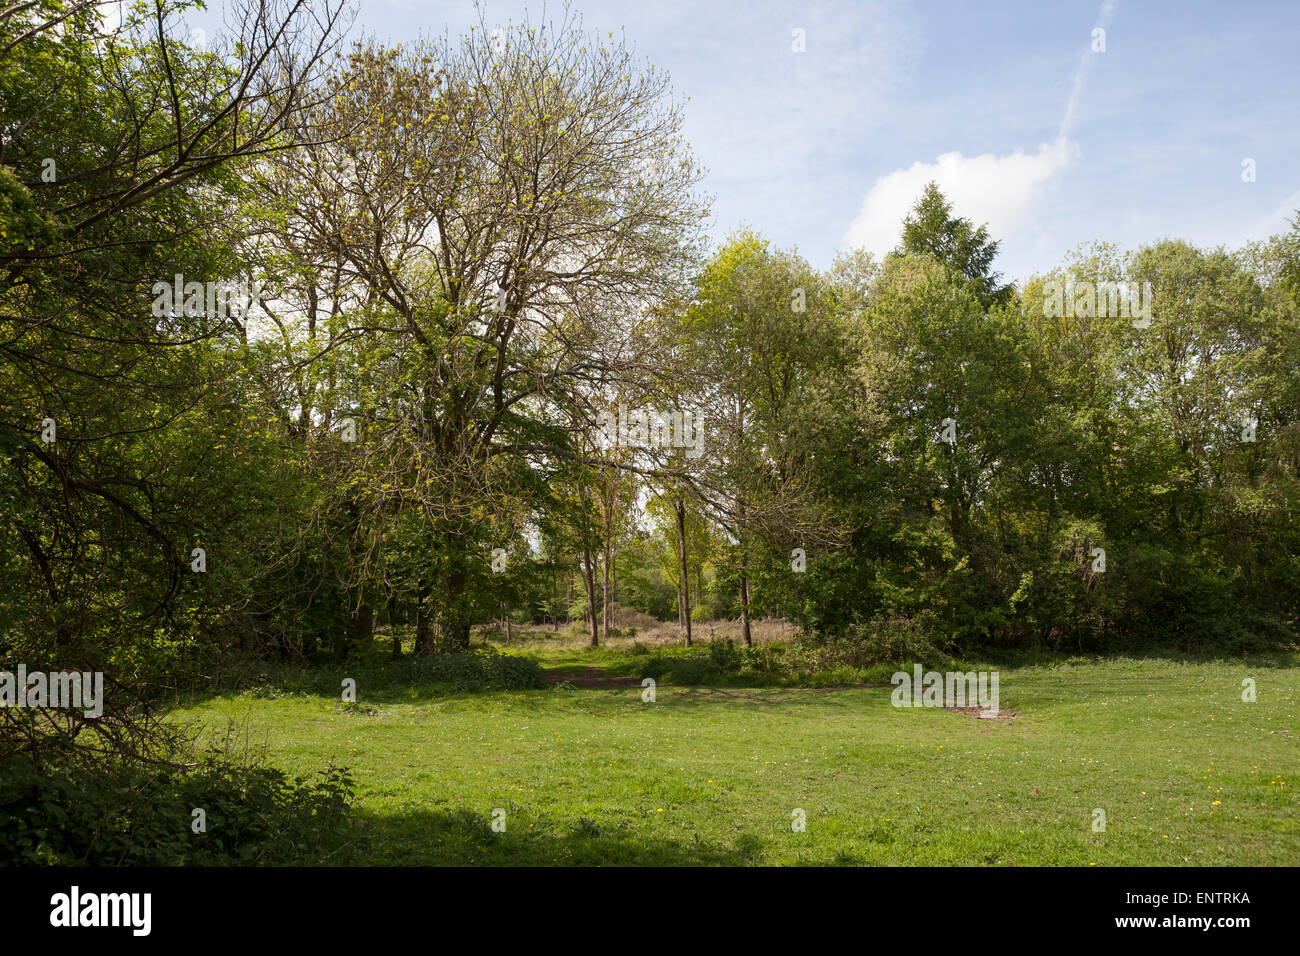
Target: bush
[
  {"x": 894, "y": 640},
  {"x": 115, "y": 814},
  {"x": 721, "y": 662},
  {"x": 868, "y": 655},
  {"x": 479, "y": 669},
  {"x": 724, "y": 656}
]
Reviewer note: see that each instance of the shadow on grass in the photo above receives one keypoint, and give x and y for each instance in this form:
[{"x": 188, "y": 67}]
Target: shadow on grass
[
  {"x": 531, "y": 686},
  {"x": 376, "y": 679},
  {"x": 412, "y": 680},
  {"x": 464, "y": 838},
  {"x": 368, "y": 696}
]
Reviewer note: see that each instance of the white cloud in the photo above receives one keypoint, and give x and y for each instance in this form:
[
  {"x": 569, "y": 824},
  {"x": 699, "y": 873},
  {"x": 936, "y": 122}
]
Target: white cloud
[{"x": 998, "y": 190}]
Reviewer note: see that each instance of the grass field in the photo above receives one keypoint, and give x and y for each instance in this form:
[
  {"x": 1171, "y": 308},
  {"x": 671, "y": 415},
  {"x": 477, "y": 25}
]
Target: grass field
[{"x": 1186, "y": 772}]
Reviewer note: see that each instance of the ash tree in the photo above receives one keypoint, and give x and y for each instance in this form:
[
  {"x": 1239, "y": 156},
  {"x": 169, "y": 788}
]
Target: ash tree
[{"x": 486, "y": 231}]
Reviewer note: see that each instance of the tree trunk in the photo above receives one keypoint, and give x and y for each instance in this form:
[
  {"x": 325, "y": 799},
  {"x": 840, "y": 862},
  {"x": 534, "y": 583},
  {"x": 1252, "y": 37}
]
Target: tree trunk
[
  {"x": 453, "y": 615},
  {"x": 423, "y": 632},
  {"x": 363, "y": 627},
  {"x": 589, "y": 575},
  {"x": 744, "y": 605},
  {"x": 604, "y": 598},
  {"x": 685, "y": 575},
  {"x": 391, "y": 613}
]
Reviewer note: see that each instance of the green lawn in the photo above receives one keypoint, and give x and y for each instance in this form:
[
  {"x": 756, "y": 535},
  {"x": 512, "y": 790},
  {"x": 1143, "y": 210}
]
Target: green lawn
[{"x": 1186, "y": 772}]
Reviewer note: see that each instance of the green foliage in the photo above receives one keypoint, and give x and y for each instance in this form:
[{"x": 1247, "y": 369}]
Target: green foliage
[
  {"x": 1074, "y": 434},
  {"x": 867, "y": 656},
  {"x": 120, "y": 815},
  {"x": 466, "y": 379},
  {"x": 931, "y": 230}
]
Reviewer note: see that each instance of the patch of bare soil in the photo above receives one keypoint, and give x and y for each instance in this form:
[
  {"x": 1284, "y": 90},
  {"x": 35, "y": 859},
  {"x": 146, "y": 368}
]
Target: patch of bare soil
[{"x": 1003, "y": 715}]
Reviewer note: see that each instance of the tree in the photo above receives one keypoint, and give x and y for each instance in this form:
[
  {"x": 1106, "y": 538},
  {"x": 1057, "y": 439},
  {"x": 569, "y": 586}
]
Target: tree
[
  {"x": 930, "y": 229},
  {"x": 760, "y": 332},
  {"x": 503, "y": 210},
  {"x": 120, "y": 167}
]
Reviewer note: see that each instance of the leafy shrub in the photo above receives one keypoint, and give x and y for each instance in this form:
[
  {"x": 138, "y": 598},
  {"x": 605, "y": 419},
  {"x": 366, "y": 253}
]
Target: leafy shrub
[
  {"x": 724, "y": 656},
  {"x": 894, "y": 640},
  {"x": 115, "y": 814},
  {"x": 479, "y": 669},
  {"x": 868, "y": 655}
]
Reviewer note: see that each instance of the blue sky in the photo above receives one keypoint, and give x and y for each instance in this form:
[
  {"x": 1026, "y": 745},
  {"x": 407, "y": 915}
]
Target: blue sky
[{"x": 1005, "y": 104}]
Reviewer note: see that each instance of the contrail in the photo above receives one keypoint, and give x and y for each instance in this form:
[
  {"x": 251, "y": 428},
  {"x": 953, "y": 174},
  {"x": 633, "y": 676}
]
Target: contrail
[{"x": 1104, "y": 17}]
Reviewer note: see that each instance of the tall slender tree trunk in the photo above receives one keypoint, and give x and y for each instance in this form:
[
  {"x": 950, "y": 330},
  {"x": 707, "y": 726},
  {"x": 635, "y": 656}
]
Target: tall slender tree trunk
[
  {"x": 604, "y": 598},
  {"x": 555, "y": 610},
  {"x": 744, "y": 605},
  {"x": 685, "y": 603},
  {"x": 744, "y": 575},
  {"x": 589, "y": 575}
]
